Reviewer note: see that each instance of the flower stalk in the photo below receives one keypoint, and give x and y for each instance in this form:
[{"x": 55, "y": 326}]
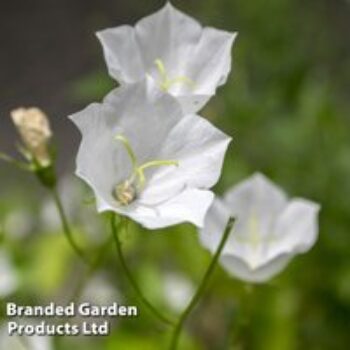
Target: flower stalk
[
  {"x": 35, "y": 132},
  {"x": 66, "y": 227},
  {"x": 197, "y": 296},
  {"x": 130, "y": 277}
]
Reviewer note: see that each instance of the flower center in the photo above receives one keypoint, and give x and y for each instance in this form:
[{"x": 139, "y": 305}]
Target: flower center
[
  {"x": 166, "y": 82},
  {"x": 125, "y": 192},
  {"x": 254, "y": 239}
]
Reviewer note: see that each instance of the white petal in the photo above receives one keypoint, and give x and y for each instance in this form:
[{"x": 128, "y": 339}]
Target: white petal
[
  {"x": 168, "y": 34},
  {"x": 199, "y": 148},
  {"x": 98, "y": 157},
  {"x": 192, "y": 103},
  {"x": 191, "y": 205},
  {"x": 214, "y": 226},
  {"x": 296, "y": 228},
  {"x": 211, "y": 61},
  {"x": 122, "y": 54},
  {"x": 238, "y": 268},
  {"x": 257, "y": 196},
  {"x": 255, "y": 203}
]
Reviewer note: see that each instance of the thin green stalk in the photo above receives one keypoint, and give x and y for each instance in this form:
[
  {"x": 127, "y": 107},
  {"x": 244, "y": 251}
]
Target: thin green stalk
[
  {"x": 66, "y": 228},
  {"x": 201, "y": 288},
  {"x": 132, "y": 280}
]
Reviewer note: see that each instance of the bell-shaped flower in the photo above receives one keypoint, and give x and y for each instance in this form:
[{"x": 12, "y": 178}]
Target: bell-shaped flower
[
  {"x": 269, "y": 229},
  {"x": 146, "y": 160},
  {"x": 184, "y": 58}
]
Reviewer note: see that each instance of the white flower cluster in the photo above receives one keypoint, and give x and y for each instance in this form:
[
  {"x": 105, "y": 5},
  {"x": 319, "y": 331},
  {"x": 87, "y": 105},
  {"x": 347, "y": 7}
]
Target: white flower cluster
[
  {"x": 147, "y": 155},
  {"x": 144, "y": 151}
]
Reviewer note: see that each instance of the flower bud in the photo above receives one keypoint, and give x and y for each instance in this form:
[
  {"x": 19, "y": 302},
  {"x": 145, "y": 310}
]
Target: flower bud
[{"x": 34, "y": 128}]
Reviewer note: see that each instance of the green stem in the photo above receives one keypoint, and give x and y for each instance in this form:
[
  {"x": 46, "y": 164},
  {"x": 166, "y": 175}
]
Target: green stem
[
  {"x": 131, "y": 279},
  {"x": 201, "y": 288},
  {"x": 66, "y": 228}
]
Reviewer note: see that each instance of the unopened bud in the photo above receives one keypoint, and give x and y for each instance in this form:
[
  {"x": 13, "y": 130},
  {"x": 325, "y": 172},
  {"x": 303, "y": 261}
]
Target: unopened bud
[{"x": 34, "y": 128}]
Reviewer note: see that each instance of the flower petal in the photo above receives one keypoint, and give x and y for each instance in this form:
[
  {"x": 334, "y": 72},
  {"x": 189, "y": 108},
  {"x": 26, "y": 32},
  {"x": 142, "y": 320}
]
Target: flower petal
[
  {"x": 256, "y": 198},
  {"x": 191, "y": 205},
  {"x": 199, "y": 148},
  {"x": 212, "y": 60},
  {"x": 214, "y": 226},
  {"x": 122, "y": 54},
  {"x": 168, "y": 34},
  {"x": 238, "y": 268},
  {"x": 296, "y": 228}
]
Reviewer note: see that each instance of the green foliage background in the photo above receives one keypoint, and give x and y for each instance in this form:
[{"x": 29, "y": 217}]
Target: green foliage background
[{"x": 287, "y": 106}]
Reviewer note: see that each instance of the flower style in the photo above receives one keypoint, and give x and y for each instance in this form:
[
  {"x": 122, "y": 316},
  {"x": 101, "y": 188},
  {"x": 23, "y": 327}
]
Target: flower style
[
  {"x": 146, "y": 160},
  {"x": 184, "y": 58},
  {"x": 269, "y": 230},
  {"x": 34, "y": 128}
]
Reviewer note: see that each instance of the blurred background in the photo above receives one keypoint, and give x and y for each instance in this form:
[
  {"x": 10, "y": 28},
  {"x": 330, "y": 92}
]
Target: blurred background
[{"x": 287, "y": 105}]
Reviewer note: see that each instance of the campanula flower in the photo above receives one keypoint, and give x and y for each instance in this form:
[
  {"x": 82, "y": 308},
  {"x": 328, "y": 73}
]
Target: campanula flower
[
  {"x": 182, "y": 57},
  {"x": 146, "y": 160},
  {"x": 269, "y": 230}
]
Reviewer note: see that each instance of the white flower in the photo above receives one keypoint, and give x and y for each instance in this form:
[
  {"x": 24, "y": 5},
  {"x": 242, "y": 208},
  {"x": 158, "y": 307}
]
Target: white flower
[
  {"x": 146, "y": 160},
  {"x": 8, "y": 275},
  {"x": 184, "y": 58},
  {"x": 17, "y": 342},
  {"x": 269, "y": 229}
]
